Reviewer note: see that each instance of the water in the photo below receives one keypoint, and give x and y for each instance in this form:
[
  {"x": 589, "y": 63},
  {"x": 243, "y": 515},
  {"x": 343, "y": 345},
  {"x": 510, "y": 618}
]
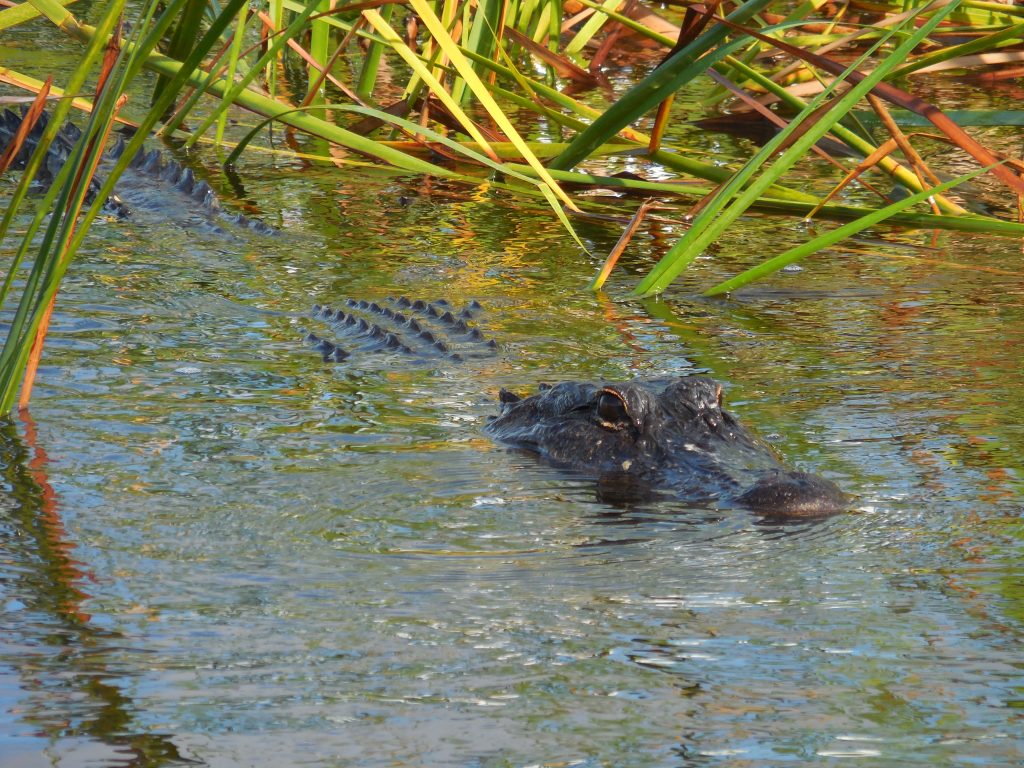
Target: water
[{"x": 217, "y": 550}]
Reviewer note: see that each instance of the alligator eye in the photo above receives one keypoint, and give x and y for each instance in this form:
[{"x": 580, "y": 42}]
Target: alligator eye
[{"x": 612, "y": 410}]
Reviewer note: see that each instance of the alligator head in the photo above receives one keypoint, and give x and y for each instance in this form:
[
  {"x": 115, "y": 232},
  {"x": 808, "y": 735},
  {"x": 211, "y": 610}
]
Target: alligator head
[{"x": 668, "y": 435}]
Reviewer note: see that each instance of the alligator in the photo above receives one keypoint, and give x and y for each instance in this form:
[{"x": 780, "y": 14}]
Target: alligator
[
  {"x": 640, "y": 436},
  {"x": 671, "y": 436},
  {"x": 662, "y": 435},
  {"x": 135, "y": 188}
]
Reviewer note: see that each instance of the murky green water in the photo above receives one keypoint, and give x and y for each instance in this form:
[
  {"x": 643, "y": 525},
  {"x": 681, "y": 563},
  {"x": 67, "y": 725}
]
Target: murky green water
[{"x": 215, "y": 548}]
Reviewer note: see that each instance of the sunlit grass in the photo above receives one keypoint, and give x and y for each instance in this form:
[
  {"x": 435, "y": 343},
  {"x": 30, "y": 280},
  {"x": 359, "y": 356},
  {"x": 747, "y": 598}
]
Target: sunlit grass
[{"x": 400, "y": 84}]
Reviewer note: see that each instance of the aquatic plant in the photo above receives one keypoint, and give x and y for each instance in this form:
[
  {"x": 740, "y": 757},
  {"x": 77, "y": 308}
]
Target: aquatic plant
[
  {"x": 115, "y": 62},
  {"x": 455, "y": 89}
]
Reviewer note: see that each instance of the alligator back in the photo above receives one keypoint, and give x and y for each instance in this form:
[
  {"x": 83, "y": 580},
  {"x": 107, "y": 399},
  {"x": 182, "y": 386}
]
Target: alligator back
[{"x": 416, "y": 328}]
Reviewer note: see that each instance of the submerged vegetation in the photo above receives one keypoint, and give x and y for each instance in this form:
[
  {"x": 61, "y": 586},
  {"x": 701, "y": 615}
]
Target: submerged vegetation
[{"x": 496, "y": 94}]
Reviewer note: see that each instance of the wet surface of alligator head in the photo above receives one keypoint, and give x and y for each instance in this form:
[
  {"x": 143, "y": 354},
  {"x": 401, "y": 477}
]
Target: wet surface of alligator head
[{"x": 667, "y": 435}]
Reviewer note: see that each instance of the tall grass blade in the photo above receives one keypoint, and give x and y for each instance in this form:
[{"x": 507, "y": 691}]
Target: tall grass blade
[
  {"x": 371, "y": 61},
  {"x": 672, "y": 75},
  {"x": 234, "y": 54},
  {"x": 319, "y": 49},
  {"x": 481, "y": 38},
  {"x": 717, "y": 217},
  {"x": 480, "y": 91},
  {"x": 831, "y": 238}
]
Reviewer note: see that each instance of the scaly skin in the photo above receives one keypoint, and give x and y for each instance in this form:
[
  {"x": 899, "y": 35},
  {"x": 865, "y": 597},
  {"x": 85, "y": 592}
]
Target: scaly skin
[
  {"x": 182, "y": 189},
  {"x": 662, "y": 435}
]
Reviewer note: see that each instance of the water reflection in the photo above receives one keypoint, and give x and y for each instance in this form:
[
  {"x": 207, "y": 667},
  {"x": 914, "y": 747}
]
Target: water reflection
[
  {"x": 290, "y": 562},
  {"x": 71, "y": 672}
]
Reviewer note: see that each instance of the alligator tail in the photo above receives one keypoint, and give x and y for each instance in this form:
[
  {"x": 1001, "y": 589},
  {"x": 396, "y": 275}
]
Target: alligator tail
[
  {"x": 57, "y": 154},
  {"x": 151, "y": 164}
]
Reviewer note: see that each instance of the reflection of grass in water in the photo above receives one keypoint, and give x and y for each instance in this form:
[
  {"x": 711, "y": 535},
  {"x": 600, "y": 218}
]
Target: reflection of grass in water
[{"x": 64, "y": 661}]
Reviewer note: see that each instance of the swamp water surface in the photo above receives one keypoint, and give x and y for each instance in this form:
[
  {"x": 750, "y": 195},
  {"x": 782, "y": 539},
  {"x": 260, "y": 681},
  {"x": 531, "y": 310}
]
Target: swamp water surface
[{"x": 216, "y": 549}]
